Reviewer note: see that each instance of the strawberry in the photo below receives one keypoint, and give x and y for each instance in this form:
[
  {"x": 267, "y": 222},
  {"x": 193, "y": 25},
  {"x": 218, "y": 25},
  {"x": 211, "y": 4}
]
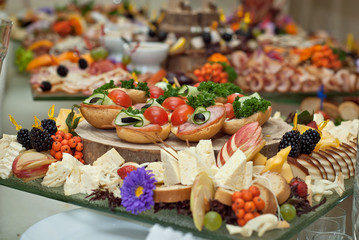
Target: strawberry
[
  {"x": 302, "y": 189},
  {"x": 123, "y": 171},
  {"x": 312, "y": 124},
  {"x": 295, "y": 181}
]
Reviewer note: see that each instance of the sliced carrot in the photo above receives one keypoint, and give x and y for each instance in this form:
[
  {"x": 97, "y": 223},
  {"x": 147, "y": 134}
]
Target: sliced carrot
[
  {"x": 88, "y": 58},
  {"x": 41, "y": 43},
  {"x": 157, "y": 77},
  {"x": 71, "y": 56}
]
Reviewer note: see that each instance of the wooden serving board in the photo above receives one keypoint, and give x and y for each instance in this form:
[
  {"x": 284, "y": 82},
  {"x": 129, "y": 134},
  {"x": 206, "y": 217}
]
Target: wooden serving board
[{"x": 97, "y": 142}]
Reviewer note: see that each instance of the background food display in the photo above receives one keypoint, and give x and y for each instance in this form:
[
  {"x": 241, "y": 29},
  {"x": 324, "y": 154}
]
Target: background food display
[{"x": 280, "y": 64}]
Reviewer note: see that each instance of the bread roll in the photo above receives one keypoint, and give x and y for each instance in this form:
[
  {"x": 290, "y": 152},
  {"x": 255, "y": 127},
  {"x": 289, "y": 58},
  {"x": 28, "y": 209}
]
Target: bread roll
[
  {"x": 148, "y": 134},
  {"x": 100, "y": 116},
  {"x": 278, "y": 185},
  {"x": 232, "y": 126}
]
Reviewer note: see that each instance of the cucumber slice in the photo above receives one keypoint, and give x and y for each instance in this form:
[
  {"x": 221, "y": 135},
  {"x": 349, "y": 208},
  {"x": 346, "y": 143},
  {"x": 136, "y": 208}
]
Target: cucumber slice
[
  {"x": 108, "y": 101},
  {"x": 95, "y": 99},
  {"x": 150, "y": 103},
  {"x": 242, "y": 99},
  {"x": 187, "y": 90},
  {"x": 200, "y": 116},
  {"x": 162, "y": 85},
  {"x": 125, "y": 119}
]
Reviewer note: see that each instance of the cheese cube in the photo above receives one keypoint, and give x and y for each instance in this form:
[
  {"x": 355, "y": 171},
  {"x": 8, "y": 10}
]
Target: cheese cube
[
  {"x": 232, "y": 174},
  {"x": 188, "y": 162},
  {"x": 109, "y": 161},
  {"x": 90, "y": 178},
  {"x": 205, "y": 149},
  {"x": 171, "y": 172}
]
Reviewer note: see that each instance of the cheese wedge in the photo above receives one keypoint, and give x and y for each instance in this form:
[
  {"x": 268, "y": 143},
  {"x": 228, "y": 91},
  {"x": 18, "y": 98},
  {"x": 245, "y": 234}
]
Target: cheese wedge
[
  {"x": 109, "y": 161},
  {"x": 171, "y": 172},
  {"x": 249, "y": 175},
  {"x": 156, "y": 168},
  {"x": 205, "y": 149},
  {"x": 286, "y": 172},
  {"x": 232, "y": 174},
  {"x": 90, "y": 178},
  {"x": 189, "y": 165}
]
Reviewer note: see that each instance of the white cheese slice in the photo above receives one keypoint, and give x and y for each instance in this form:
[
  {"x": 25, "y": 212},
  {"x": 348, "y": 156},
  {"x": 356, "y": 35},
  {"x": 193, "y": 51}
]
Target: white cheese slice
[
  {"x": 232, "y": 174},
  {"x": 156, "y": 169},
  {"x": 11, "y": 149},
  {"x": 205, "y": 149},
  {"x": 188, "y": 163},
  {"x": 248, "y": 176},
  {"x": 171, "y": 172},
  {"x": 109, "y": 161},
  {"x": 90, "y": 178},
  {"x": 73, "y": 182}
]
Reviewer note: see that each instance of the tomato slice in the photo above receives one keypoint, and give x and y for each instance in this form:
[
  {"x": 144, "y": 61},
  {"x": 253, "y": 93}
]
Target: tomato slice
[
  {"x": 180, "y": 114},
  {"x": 232, "y": 97},
  {"x": 172, "y": 103},
  {"x": 121, "y": 98},
  {"x": 229, "y": 110},
  {"x": 155, "y": 92},
  {"x": 156, "y": 115}
]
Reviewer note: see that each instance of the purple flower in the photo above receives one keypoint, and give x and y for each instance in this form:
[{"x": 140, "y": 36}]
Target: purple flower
[{"x": 137, "y": 191}]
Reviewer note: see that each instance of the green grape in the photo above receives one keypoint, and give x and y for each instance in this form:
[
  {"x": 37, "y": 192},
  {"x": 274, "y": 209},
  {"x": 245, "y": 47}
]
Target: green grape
[
  {"x": 212, "y": 221},
  {"x": 126, "y": 59},
  {"x": 99, "y": 53},
  {"x": 288, "y": 212}
]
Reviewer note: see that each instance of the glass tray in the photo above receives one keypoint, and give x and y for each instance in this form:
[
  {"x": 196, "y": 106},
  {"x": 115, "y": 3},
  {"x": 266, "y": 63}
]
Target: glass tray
[{"x": 171, "y": 218}]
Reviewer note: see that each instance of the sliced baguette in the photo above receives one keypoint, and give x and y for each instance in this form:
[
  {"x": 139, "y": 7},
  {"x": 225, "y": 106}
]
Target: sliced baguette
[
  {"x": 277, "y": 184},
  {"x": 344, "y": 165},
  {"x": 269, "y": 199},
  {"x": 346, "y": 158},
  {"x": 143, "y": 134},
  {"x": 224, "y": 196},
  {"x": 318, "y": 164},
  {"x": 349, "y": 110},
  {"x": 170, "y": 194}
]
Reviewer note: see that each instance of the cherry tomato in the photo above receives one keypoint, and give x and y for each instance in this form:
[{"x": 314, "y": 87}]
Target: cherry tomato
[
  {"x": 180, "y": 114},
  {"x": 156, "y": 115},
  {"x": 172, "y": 103},
  {"x": 229, "y": 110},
  {"x": 232, "y": 97},
  {"x": 120, "y": 98},
  {"x": 155, "y": 92}
]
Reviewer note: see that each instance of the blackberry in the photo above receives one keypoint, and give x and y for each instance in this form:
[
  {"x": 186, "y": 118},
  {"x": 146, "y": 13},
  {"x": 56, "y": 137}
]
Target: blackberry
[
  {"x": 49, "y": 125},
  {"x": 23, "y": 137},
  {"x": 45, "y": 86},
  {"x": 83, "y": 63},
  {"x": 291, "y": 138},
  {"x": 309, "y": 140},
  {"x": 62, "y": 71},
  {"x": 40, "y": 139}
]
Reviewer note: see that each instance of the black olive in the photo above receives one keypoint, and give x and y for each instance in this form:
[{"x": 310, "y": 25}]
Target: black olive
[
  {"x": 146, "y": 106},
  {"x": 94, "y": 100},
  {"x": 199, "y": 117},
  {"x": 83, "y": 63},
  {"x": 206, "y": 36},
  {"x": 227, "y": 36},
  {"x": 129, "y": 120},
  {"x": 62, "y": 71},
  {"x": 186, "y": 92},
  {"x": 45, "y": 86},
  {"x": 161, "y": 35},
  {"x": 151, "y": 33}
]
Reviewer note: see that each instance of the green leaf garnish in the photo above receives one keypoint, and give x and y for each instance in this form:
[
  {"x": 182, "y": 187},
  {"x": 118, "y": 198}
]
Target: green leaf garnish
[{"x": 104, "y": 88}]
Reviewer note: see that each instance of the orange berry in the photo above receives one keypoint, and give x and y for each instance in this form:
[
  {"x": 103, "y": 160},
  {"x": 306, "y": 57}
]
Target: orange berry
[
  {"x": 197, "y": 72},
  {"x": 241, "y": 222},
  {"x": 66, "y": 149},
  {"x": 254, "y": 190},
  {"x": 207, "y": 65},
  {"x": 259, "y": 203},
  {"x": 239, "y": 203},
  {"x": 58, "y": 155},
  {"x": 240, "y": 213},
  {"x": 53, "y": 137},
  {"x": 58, "y": 138},
  {"x": 77, "y": 139},
  {"x": 52, "y": 152},
  {"x": 223, "y": 75},
  {"x": 247, "y": 195},
  {"x": 236, "y": 195},
  {"x": 249, "y": 207},
  {"x": 79, "y": 147},
  {"x": 248, "y": 216},
  {"x": 256, "y": 214},
  {"x": 65, "y": 142},
  {"x": 56, "y": 146},
  {"x": 61, "y": 133},
  {"x": 72, "y": 143},
  {"x": 200, "y": 79},
  {"x": 68, "y": 136},
  {"x": 82, "y": 161},
  {"x": 223, "y": 80},
  {"x": 78, "y": 154}
]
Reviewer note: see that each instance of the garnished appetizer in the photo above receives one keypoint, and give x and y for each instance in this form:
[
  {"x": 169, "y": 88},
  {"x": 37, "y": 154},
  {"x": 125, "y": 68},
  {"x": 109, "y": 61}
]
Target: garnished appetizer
[
  {"x": 241, "y": 110},
  {"x": 198, "y": 119},
  {"x": 102, "y": 107},
  {"x": 138, "y": 91},
  {"x": 147, "y": 125}
]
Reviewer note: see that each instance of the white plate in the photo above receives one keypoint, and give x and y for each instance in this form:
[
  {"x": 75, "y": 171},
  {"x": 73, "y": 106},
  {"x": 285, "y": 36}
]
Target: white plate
[{"x": 84, "y": 224}]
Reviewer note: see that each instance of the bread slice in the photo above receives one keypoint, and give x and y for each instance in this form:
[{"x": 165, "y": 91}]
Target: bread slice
[
  {"x": 349, "y": 110},
  {"x": 277, "y": 184},
  {"x": 269, "y": 199},
  {"x": 145, "y": 134},
  {"x": 170, "y": 194},
  {"x": 224, "y": 196},
  {"x": 311, "y": 104}
]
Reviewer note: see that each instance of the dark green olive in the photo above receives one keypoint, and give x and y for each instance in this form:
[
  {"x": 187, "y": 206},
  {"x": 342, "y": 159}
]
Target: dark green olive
[
  {"x": 129, "y": 120},
  {"x": 199, "y": 117},
  {"x": 94, "y": 100}
]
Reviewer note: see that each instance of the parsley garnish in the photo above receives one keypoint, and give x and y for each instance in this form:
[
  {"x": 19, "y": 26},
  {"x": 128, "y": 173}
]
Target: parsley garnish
[
  {"x": 105, "y": 87},
  {"x": 169, "y": 92},
  {"x": 219, "y": 89},
  {"x": 130, "y": 84},
  {"x": 249, "y": 107},
  {"x": 204, "y": 99}
]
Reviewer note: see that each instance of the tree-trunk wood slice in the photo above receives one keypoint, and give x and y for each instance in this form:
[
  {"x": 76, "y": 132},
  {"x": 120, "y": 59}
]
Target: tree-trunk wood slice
[{"x": 97, "y": 142}]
